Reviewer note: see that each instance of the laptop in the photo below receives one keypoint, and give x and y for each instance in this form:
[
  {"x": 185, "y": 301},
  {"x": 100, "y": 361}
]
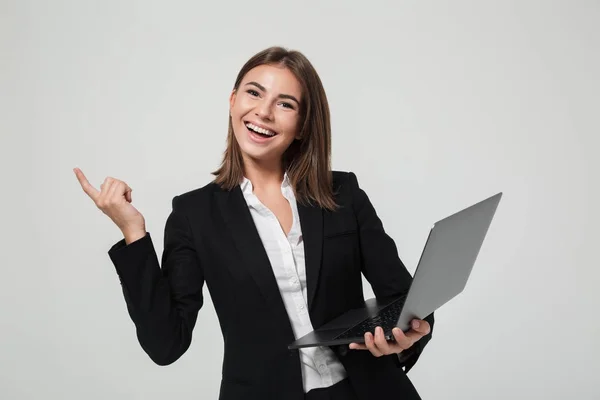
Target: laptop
[{"x": 446, "y": 262}]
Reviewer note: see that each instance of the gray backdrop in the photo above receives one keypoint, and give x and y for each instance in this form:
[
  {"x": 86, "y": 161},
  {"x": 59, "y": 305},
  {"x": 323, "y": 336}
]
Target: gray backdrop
[{"x": 435, "y": 105}]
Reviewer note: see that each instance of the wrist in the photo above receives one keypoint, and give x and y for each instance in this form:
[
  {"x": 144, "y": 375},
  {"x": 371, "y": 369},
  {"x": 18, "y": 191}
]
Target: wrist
[{"x": 133, "y": 235}]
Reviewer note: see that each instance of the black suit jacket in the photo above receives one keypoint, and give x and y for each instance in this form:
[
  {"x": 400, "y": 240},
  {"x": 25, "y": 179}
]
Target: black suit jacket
[{"x": 210, "y": 237}]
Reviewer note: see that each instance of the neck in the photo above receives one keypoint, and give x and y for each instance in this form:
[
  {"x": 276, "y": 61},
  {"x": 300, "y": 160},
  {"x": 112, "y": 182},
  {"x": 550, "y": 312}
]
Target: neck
[{"x": 264, "y": 175}]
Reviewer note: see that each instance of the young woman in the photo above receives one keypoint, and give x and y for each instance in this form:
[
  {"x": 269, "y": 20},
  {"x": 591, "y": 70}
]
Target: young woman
[{"x": 281, "y": 242}]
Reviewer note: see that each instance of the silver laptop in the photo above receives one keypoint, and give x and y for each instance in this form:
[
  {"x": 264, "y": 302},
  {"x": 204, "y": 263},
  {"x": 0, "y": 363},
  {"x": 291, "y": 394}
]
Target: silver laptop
[{"x": 442, "y": 273}]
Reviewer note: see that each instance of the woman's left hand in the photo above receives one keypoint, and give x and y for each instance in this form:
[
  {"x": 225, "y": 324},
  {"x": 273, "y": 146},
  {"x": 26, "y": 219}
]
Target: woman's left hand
[{"x": 378, "y": 346}]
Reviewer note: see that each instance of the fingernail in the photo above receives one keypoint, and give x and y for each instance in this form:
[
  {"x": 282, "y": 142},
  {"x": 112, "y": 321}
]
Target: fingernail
[{"x": 416, "y": 324}]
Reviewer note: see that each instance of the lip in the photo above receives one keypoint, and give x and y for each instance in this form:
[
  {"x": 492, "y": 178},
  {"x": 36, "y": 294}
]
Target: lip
[
  {"x": 258, "y": 139},
  {"x": 261, "y": 126}
]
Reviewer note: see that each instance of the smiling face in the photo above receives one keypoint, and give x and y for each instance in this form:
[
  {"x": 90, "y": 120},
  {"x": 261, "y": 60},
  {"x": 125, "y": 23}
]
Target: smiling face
[{"x": 265, "y": 112}]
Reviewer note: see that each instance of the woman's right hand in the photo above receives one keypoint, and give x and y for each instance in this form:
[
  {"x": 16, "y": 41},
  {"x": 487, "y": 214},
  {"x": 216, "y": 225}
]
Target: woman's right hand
[{"x": 114, "y": 200}]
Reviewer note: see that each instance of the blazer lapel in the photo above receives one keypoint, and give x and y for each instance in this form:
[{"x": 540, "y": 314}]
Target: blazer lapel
[
  {"x": 311, "y": 221},
  {"x": 240, "y": 224}
]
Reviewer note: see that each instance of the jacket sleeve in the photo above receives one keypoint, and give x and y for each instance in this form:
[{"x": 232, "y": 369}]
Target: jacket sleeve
[
  {"x": 381, "y": 265},
  {"x": 162, "y": 303}
]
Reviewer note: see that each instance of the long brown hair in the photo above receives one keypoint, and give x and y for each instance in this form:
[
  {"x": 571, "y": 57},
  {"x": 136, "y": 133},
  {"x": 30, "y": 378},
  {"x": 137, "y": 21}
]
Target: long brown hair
[{"x": 308, "y": 160}]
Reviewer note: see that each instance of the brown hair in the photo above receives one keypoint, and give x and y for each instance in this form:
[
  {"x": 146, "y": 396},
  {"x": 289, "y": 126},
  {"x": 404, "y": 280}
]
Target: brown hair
[{"x": 308, "y": 160}]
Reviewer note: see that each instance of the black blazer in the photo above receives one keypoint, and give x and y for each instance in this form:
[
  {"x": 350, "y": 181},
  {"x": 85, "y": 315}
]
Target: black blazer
[{"x": 210, "y": 237}]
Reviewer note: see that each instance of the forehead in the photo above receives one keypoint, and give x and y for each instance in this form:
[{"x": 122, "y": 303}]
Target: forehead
[{"x": 274, "y": 78}]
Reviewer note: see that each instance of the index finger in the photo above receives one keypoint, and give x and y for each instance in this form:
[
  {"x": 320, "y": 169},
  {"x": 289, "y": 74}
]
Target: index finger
[{"x": 85, "y": 185}]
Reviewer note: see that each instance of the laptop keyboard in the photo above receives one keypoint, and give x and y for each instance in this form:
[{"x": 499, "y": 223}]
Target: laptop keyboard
[{"x": 386, "y": 319}]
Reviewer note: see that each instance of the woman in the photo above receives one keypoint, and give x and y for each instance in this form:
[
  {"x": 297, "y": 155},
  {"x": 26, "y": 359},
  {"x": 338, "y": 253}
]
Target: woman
[{"x": 281, "y": 242}]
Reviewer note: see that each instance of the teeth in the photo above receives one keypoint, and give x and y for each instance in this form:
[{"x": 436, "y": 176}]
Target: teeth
[{"x": 259, "y": 130}]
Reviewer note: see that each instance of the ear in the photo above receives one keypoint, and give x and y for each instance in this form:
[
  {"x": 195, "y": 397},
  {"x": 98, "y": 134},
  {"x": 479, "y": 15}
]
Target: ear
[
  {"x": 298, "y": 135},
  {"x": 232, "y": 100}
]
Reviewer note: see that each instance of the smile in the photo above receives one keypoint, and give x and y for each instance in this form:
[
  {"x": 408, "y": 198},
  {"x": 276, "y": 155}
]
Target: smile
[{"x": 260, "y": 131}]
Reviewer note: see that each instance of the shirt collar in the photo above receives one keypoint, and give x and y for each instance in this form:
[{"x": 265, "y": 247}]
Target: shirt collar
[
  {"x": 247, "y": 187},
  {"x": 286, "y": 181}
]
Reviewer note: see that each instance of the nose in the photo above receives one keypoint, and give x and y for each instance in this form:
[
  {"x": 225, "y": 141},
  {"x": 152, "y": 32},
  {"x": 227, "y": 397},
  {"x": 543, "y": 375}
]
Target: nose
[{"x": 263, "y": 110}]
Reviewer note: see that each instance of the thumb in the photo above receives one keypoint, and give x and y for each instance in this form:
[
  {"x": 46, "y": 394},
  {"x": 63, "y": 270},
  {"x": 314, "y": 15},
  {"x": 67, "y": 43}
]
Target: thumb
[
  {"x": 128, "y": 194},
  {"x": 420, "y": 326}
]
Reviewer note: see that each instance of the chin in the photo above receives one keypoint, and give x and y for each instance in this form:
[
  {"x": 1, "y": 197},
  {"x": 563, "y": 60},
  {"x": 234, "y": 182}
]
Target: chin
[
  {"x": 260, "y": 155},
  {"x": 255, "y": 152}
]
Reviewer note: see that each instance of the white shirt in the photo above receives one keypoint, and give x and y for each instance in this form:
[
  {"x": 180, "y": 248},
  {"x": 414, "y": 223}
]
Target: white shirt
[{"x": 320, "y": 366}]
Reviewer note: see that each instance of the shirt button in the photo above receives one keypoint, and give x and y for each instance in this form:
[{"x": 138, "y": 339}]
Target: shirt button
[
  {"x": 322, "y": 368},
  {"x": 302, "y": 306}
]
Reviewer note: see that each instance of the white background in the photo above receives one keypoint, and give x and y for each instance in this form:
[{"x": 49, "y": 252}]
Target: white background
[{"x": 435, "y": 105}]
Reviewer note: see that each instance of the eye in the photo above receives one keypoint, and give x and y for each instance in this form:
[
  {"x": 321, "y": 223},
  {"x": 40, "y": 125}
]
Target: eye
[
  {"x": 252, "y": 92},
  {"x": 287, "y": 105}
]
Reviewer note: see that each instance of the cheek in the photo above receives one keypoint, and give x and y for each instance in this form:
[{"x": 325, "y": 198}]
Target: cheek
[
  {"x": 290, "y": 125},
  {"x": 236, "y": 113},
  {"x": 238, "y": 129},
  {"x": 240, "y": 107}
]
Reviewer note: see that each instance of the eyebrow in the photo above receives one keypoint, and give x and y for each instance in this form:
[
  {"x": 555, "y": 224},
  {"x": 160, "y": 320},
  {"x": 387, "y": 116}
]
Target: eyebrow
[{"x": 281, "y": 96}]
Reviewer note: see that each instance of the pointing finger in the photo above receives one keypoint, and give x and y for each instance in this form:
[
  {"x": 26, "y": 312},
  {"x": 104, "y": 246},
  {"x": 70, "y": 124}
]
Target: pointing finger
[{"x": 85, "y": 184}]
